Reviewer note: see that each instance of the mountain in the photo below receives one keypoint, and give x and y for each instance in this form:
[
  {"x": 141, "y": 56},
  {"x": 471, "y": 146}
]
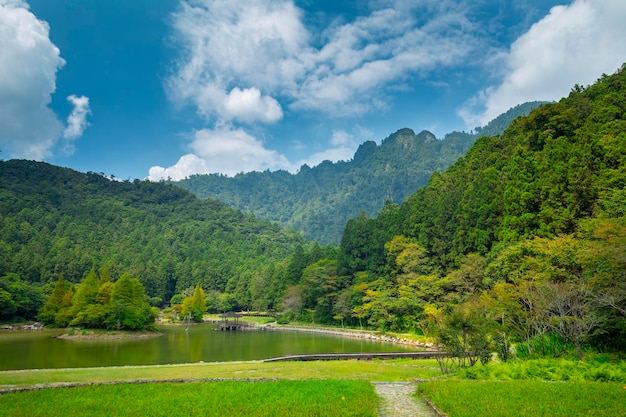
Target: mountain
[
  {"x": 521, "y": 241},
  {"x": 319, "y": 201},
  {"x": 56, "y": 221},
  {"x": 549, "y": 171}
]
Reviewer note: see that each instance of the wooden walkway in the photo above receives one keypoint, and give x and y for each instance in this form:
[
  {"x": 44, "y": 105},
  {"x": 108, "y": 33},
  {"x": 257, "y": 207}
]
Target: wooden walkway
[{"x": 358, "y": 356}]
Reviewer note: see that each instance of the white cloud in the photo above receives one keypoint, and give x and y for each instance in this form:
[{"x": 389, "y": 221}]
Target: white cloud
[
  {"x": 263, "y": 47},
  {"x": 249, "y": 105},
  {"x": 573, "y": 44},
  {"x": 224, "y": 150},
  {"x": 28, "y": 128},
  {"x": 363, "y": 60},
  {"x": 231, "y": 53},
  {"x": 243, "y": 62},
  {"x": 343, "y": 147},
  {"x": 77, "y": 120}
]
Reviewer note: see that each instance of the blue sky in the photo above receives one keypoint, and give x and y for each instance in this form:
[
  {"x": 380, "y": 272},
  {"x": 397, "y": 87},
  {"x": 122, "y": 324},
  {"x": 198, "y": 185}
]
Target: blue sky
[{"x": 169, "y": 88}]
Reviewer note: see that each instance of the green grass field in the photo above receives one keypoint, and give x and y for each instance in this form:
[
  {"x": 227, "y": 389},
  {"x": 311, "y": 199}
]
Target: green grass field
[
  {"x": 375, "y": 370},
  {"x": 527, "y": 388},
  {"x": 463, "y": 398},
  {"x": 225, "y": 398}
]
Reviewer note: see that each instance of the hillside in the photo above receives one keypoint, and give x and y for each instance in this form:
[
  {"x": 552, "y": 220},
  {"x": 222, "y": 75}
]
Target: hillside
[
  {"x": 522, "y": 241},
  {"x": 319, "y": 201},
  {"x": 58, "y": 221}
]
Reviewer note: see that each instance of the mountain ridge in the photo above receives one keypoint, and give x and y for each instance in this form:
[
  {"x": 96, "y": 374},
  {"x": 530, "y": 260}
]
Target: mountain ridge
[{"x": 318, "y": 201}]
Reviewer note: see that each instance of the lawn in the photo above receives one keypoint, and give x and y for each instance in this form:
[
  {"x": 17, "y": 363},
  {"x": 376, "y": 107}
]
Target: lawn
[
  {"x": 374, "y": 370},
  {"x": 224, "y": 398},
  {"x": 463, "y": 398},
  {"x": 525, "y": 388}
]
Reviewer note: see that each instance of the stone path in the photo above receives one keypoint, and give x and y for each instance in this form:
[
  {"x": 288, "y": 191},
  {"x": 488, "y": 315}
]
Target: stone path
[{"x": 399, "y": 401}]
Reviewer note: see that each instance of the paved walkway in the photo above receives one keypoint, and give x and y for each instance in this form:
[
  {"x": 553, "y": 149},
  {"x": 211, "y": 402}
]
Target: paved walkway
[{"x": 399, "y": 401}]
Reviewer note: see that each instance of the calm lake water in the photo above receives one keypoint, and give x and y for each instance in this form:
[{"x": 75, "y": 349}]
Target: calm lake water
[{"x": 38, "y": 349}]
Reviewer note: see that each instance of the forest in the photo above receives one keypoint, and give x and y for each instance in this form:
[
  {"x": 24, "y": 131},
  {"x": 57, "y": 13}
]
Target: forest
[
  {"x": 55, "y": 221},
  {"x": 522, "y": 242},
  {"x": 318, "y": 201}
]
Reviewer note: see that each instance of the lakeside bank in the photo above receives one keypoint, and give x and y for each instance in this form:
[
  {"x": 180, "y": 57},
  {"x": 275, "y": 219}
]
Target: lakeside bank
[{"x": 357, "y": 334}]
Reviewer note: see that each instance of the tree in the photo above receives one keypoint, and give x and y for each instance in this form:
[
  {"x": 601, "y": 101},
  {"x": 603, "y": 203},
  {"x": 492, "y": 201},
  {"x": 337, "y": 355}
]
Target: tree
[
  {"x": 53, "y": 304},
  {"x": 195, "y": 306},
  {"x": 341, "y": 306},
  {"x": 85, "y": 295},
  {"x": 465, "y": 333},
  {"x": 20, "y": 298},
  {"x": 129, "y": 307},
  {"x": 571, "y": 312},
  {"x": 292, "y": 302}
]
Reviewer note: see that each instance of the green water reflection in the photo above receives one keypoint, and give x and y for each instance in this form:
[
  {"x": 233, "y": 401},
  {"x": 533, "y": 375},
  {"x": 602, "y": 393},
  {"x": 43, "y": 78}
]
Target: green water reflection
[{"x": 38, "y": 349}]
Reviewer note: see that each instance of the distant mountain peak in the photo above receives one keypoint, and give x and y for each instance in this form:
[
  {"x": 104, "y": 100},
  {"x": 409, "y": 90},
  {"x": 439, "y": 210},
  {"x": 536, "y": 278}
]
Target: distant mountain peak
[
  {"x": 319, "y": 200},
  {"x": 427, "y": 136}
]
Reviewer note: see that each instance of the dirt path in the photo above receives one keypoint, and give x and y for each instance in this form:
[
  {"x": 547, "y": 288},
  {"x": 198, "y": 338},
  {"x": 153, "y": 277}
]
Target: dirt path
[{"x": 399, "y": 401}]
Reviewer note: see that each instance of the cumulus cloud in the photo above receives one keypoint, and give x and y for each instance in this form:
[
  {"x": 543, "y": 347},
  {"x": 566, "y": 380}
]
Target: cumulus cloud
[
  {"x": 244, "y": 62},
  {"x": 249, "y": 105},
  {"x": 343, "y": 147},
  {"x": 573, "y": 44},
  {"x": 262, "y": 50},
  {"x": 28, "y": 128},
  {"x": 224, "y": 150},
  {"x": 77, "y": 120},
  {"x": 233, "y": 53}
]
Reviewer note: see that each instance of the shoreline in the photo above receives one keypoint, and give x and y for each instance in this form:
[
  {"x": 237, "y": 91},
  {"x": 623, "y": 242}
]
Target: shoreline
[
  {"x": 357, "y": 334},
  {"x": 99, "y": 334},
  {"x": 86, "y": 335},
  {"x": 351, "y": 333}
]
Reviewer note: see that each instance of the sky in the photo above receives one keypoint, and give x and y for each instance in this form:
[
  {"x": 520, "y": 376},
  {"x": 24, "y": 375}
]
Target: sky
[{"x": 157, "y": 89}]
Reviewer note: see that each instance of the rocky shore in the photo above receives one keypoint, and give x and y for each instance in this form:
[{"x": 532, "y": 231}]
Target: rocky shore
[
  {"x": 356, "y": 334},
  {"x": 29, "y": 326},
  {"x": 109, "y": 335}
]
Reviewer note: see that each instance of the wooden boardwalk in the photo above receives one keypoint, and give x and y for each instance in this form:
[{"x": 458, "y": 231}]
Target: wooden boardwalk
[{"x": 358, "y": 356}]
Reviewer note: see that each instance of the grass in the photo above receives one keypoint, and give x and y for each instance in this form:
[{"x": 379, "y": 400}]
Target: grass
[
  {"x": 375, "y": 370},
  {"x": 597, "y": 369},
  {"x": 461, "y": 398},
  {"x": 227, "y": 398},
  {"x": 576, "y": 388}
]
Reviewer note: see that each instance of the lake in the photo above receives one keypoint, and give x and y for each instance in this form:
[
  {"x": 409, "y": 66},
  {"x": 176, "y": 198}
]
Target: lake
[{"x": 40, "y": 350}]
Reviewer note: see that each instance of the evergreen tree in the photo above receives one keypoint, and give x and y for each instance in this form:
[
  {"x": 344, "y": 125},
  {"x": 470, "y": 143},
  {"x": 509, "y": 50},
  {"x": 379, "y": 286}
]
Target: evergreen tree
[{"x": 48, "y": 313}]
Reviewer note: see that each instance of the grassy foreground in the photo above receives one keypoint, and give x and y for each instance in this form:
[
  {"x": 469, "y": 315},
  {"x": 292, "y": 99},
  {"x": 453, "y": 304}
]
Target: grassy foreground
[
  {"x": 226, "y": 398},
  {"x": 463, "y": 398},
  {"x": 375, "y": 370},
  {"x": 319, "y": 388}
]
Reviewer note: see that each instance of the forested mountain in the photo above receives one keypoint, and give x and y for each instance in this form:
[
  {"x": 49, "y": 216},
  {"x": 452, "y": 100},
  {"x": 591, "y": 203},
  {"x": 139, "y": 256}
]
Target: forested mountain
[
  {"x": 56, "y": 221},
  {"x": 523, "y": 238},
  {"x": 319, "y": 201}
]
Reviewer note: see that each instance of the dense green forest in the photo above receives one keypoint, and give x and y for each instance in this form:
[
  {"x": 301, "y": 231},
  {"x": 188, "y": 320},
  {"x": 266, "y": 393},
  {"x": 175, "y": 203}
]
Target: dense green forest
[
  {"x": 319, "y": 201},
  {"x": 523, "y": 239},
  {"x": 56, "y": 221}
]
